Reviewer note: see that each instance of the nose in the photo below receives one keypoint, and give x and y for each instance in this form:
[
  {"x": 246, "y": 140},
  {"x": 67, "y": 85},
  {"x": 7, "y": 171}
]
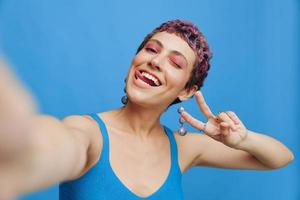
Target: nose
[{"x": 155, "y": 63}]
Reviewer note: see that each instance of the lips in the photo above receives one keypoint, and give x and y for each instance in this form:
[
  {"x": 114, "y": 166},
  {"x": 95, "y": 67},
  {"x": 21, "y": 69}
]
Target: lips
[{"x": 148, "y": 77}]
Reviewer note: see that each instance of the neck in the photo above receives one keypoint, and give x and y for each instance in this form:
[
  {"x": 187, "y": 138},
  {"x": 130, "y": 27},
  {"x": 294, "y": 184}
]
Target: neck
[{"x": 139, "y": 120}]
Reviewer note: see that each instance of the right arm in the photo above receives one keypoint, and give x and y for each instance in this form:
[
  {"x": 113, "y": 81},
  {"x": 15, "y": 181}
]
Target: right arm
[
  {"x": 39, "y": 150},
  {"x": 57, "y": 151}
]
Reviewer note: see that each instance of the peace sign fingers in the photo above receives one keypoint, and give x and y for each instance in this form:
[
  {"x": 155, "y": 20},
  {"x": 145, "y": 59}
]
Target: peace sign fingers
[
  {"x": 210, "y": 127},
  {"x": 203, "y": 106},
  {"x": 193, "y": 121}
]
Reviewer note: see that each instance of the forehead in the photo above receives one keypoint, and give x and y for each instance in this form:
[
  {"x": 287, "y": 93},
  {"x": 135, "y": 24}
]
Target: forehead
[{"x": 172, "y": 42}]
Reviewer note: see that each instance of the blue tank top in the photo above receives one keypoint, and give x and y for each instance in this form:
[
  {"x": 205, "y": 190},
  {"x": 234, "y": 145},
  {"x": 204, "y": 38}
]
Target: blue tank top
[{"x": 101, "y": 183}]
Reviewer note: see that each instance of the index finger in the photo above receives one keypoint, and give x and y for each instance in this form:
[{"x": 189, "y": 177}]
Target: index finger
[{"x": 202, "y": 104}]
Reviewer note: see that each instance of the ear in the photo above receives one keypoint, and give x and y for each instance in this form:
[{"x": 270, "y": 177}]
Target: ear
[{"x": 187, "y": 93}]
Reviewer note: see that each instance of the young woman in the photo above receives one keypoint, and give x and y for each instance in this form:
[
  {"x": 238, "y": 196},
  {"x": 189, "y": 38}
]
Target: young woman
[{"x": 126, "y": 153}]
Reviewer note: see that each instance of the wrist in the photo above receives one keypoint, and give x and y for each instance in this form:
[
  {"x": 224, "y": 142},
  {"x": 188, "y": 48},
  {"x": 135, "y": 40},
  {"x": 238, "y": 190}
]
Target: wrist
[{"x": 246, "y": 142}]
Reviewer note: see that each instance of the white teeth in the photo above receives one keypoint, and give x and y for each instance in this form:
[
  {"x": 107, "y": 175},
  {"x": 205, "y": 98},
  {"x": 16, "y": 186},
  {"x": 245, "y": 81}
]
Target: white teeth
[{"x": 149, "y": 76}]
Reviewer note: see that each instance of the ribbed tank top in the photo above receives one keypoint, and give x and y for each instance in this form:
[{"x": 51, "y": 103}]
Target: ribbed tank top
[{"x": 101, "y": 183}]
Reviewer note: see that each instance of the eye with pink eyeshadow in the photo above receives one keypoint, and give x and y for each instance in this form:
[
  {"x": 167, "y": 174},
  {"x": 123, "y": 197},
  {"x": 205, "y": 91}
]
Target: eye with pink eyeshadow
[
  {"x": 152, "y": 48},
  {"x": 176, "y": 60}
]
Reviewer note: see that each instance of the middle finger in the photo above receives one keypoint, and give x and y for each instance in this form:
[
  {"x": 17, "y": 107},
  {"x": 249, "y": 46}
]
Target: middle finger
[{"x": 225, "y": 118}]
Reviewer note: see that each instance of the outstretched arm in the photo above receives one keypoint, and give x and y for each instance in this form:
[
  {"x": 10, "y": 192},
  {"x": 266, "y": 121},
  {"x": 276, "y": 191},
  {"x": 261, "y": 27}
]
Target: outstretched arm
[
  {"x": 227, "y": 143},
  {"x": 17, "y": 107},
  {"x": 37, "y": 151}
]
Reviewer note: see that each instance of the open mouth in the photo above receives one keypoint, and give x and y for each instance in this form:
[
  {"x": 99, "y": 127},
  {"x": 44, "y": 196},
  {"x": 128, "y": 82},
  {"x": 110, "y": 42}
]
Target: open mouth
[{"x": 147, "y": 77}]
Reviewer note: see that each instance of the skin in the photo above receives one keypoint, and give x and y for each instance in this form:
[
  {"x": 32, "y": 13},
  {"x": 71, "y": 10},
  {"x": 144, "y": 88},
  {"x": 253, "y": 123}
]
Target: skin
[
  {"x": 226, "y": 142},
  {"x": 137, "y": 124}
]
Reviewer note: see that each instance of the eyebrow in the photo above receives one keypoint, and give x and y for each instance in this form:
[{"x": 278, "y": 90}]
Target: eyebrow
[{"x": 173, "y": 51}]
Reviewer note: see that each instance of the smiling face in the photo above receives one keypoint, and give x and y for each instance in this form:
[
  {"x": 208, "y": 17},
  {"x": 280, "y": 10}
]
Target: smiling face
[{"x": 160, "y": 71}]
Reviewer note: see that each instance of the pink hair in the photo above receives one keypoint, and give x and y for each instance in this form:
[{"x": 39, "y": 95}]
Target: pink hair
[{"x": 196, "y": 40}]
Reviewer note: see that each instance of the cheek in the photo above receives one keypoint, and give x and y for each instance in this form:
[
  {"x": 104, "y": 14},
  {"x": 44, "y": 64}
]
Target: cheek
[
  {"x": 176, "y": 79},
  {"x": 139, "y": 58},
  {"x": 136, "y": 61}
]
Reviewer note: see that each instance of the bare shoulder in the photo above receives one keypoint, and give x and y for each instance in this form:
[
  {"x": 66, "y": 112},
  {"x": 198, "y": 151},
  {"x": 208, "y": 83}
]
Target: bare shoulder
[
  {"x": 86, "y": 129},
  {"x": 82, "y": 122},
  {"x": 190, "y": 147}
]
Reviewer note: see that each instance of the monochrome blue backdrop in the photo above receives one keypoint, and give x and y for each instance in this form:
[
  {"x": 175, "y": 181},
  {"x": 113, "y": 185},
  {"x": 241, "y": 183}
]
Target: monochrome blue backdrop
[{"x": 73, "y": 55}]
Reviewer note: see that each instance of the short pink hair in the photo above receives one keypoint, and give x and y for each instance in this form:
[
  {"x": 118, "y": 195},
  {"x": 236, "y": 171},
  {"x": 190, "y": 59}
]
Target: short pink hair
[{"x": 196, "y": 40}]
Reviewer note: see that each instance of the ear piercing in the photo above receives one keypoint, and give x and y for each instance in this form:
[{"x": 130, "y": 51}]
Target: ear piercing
[
  {"x": 181, "y": 129},
  {"x": 124, "y": 99}
]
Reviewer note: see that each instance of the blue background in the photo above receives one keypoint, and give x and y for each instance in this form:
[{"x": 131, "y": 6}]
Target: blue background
[{"x": 74, "y": 55}]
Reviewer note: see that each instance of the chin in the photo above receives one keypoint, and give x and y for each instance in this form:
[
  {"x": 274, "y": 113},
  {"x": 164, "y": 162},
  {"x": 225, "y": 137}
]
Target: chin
[
  {"x": 146, "y": 101},
  {"x": 140, "y": 99}
]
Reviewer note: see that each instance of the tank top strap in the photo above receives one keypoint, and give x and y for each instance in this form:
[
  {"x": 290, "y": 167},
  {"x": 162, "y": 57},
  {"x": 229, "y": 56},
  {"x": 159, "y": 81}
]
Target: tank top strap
[
  {"x": 105, "y": 142},
  {"x": 174, "y": 151}
]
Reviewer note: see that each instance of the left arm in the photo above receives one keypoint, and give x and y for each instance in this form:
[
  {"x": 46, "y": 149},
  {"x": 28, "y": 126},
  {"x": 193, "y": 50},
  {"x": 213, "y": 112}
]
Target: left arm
[
  {"x": 228, "y": 144},
  {"x": 267, "y": 150},
  {"x": 203, "y": 150}
]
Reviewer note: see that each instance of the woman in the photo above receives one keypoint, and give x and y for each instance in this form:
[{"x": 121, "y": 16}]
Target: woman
[{"x": 126, "y": 153}]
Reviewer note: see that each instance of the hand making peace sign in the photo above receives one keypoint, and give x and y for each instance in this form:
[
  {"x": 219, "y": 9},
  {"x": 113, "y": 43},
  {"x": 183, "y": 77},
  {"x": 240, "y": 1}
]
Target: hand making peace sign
[{"x": 226, "y": 127}]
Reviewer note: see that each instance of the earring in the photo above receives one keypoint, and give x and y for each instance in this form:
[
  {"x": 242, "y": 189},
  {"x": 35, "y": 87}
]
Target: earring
[
  {"x": 181, "y": 130},
  {"x": 124, "y": 99}
]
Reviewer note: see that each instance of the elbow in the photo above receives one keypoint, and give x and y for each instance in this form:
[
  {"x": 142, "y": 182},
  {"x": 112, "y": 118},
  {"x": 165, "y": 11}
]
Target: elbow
[
  {"x": 291, "y": 157},
  {"x": 283, "y": 163}
]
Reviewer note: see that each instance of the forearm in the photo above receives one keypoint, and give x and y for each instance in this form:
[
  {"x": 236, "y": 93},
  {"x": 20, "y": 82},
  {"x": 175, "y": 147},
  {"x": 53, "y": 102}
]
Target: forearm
[
  {"x": 51, "y": 157},
  {"x": 269, "y": 151}
]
